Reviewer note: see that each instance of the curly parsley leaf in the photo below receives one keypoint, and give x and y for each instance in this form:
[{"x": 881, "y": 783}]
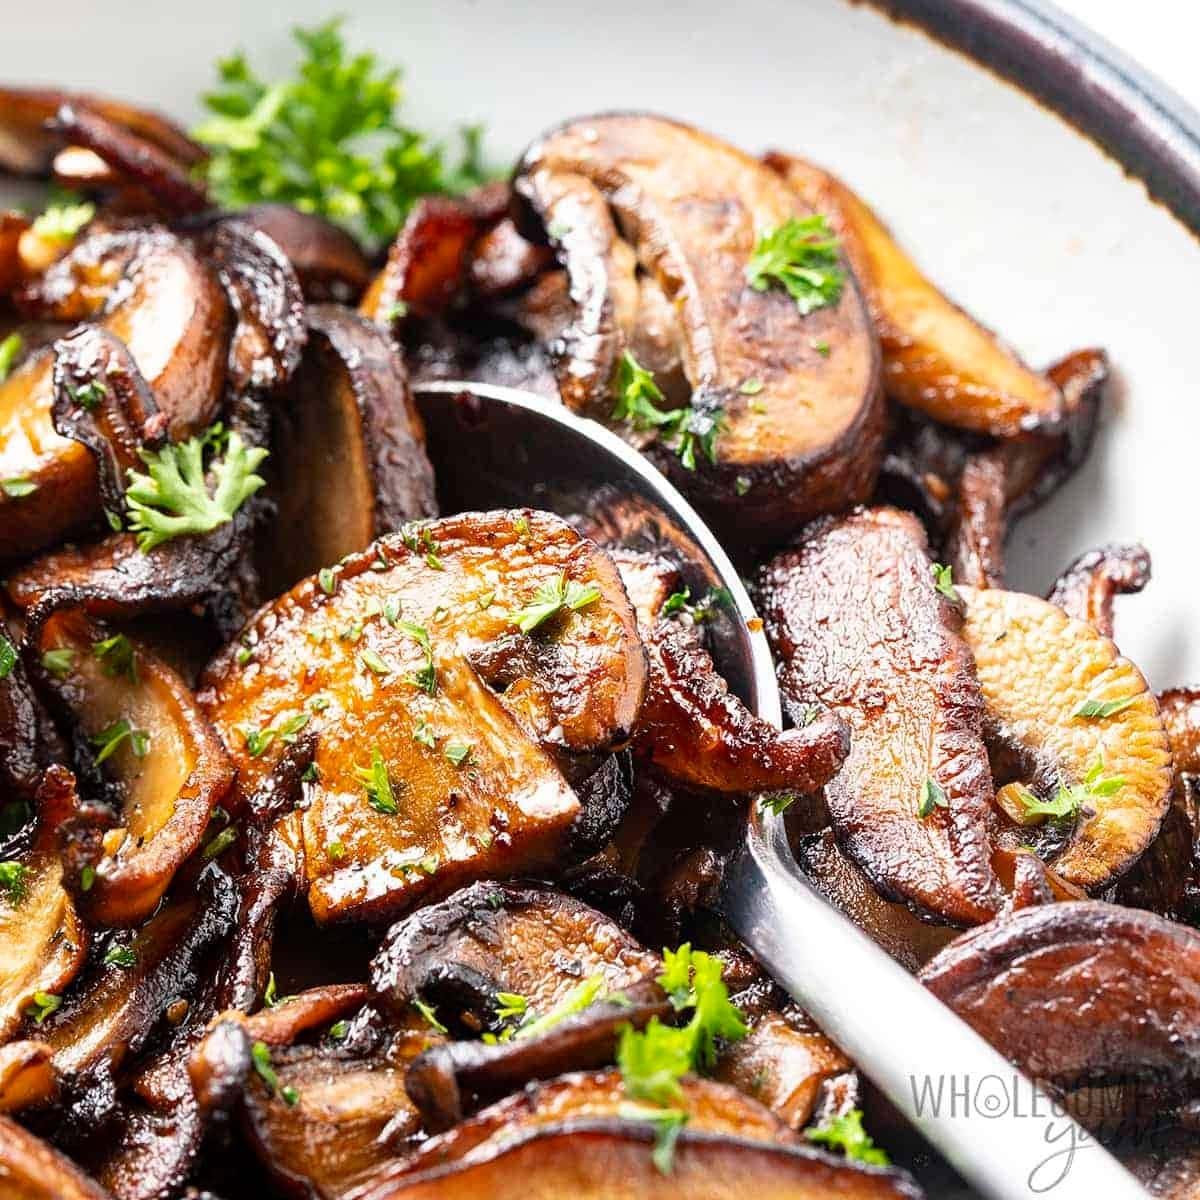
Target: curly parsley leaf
[
  {"x": 328, "y": 140},
  {"x": 801, "y": 256},
  {"x": 550, "y": 599},
  {"x": 172, "y": 498},
  {"x": 846, "y": 1133},
  {"x": 378, "y": 785},
  {"x": 14, "y": 878}
]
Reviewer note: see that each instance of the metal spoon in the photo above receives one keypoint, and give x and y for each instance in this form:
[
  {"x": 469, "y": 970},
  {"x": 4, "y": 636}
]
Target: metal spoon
[{"x": 494, "y": 446}]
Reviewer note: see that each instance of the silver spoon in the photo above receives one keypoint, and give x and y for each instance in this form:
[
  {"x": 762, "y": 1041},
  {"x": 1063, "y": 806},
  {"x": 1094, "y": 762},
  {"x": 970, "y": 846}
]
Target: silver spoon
[{"x": 494, "y": 446}]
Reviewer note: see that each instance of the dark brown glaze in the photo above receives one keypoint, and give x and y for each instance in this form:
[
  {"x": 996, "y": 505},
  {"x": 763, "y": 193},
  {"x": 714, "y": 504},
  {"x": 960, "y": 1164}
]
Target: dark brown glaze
[
  {"x": 936, "y": 358},
  {"x": 349, "y": 418},
  {"x": 150, "y": 290},
  {"x": 33, "y": 1170},
  {"x": 167, "y": 796},
  {"x": 45, "y": 941},
  {"x": 574, "y": 1136},
  {"x": 426, "y": 264},
  {"x": 810, "y": 440},
  {"x": 572, "y": 686},
  {"x": 854, "y": 617},
  {"x": 136, "y": 159},
  {"x": 975, "y": 546},
  {"x": 329, "y": 263},
  {"x": 28, "y": 742},
  {"x": 269, "y": 330},
  {"x": 1087, "y": 588},
  {"x": 503, "y": 261},
  {"x": 1080, "y": 992},
  {"x": 494, "y": 937},
  {"x": 1180, "y": 709},
  {"x": 29, "y": 142}
]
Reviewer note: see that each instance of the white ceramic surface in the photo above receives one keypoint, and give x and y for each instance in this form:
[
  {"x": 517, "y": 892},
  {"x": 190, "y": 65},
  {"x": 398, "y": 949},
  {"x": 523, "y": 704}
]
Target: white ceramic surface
[{"x": 1017, "y": 216}]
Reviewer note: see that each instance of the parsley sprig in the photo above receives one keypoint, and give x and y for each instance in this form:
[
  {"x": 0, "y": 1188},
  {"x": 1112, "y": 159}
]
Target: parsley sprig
[
  {"x": 552, "y": 598},
  {"x": 328, "y": 140},
  {"x": 845, "y": 1132},
  {"x": 14, "y": 879},
  {"x": 378, "y": 785},
  {"x": 801, "y": 256},
  {"x": 172, "y": 498},
  {"x": 1067, "y": 802}
]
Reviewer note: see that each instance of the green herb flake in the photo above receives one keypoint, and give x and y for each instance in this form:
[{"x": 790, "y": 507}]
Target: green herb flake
[
  {"x": 550, "y": 599},
  {"x": 742, "y": 484},
  {"x": 88, "y": 396},
  {"x": 943, "y": 581},
  {"x": 1097, "y": 710},
  {"x": 109, "y": 740},
  {"x": 778, "y": 803},
  {"x": 124, "y": 957},
  {"x": 327, "y": 580},
  {"x": 846, "y": 1133},
  {"x": 257, "y": 740},
  {"x": 87, "y": 877},
  {"x": 172, "y": 498},
  {"x": 338, "y": 1031},
  {"x": 1066, "y": 803},
  {"x": 396, "y": 312},
  {"x": 219, "y": 843},
  {"x": 59, "y": 662},
  {"x": 116, "y": 655},
  {"x": 575, "y": 1001},
  {"x": 932, "y": 796},
  {"x": 260, "y": 1056},
  {"x": 392, "y": 608},
  {"x": 8, "y": 657},
  {"x": 18, "y": 488},
  {"x": 423, "y": 734},
  {"x": 668, "y": 1124},
  {"x": 821, "y": 347},
  {"x": 378, "y": 785},
  {"x": 801, "y": 256},
  {"x": 510, "y": 1005},
  {"x": 14, "y": 881},
  {"x": 43, "y": 1004},
  {"x": 62, "y": 222},
  {"x": 426, "y": 677},
  {"x": 374, "y": 662},
  {"x": 430, "y": 1015},
  {"x": 751, "y": 387},
  {"x": 10, "y": 347},
  {"x": 458, "y": 752},
  {"x": 336, "y": 851}
]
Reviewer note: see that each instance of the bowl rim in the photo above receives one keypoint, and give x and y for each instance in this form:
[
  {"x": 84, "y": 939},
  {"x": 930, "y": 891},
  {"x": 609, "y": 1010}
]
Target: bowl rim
[{"x": 1131, "y": 114}]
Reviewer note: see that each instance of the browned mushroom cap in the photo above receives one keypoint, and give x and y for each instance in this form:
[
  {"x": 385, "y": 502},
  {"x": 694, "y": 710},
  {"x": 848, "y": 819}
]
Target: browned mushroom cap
[
  {"x": 1046, "y": 681},
  {"x": 1087, "y": 588},
  {"x": 33, "y": 1170},
  {"x": 27, "y": 1078},
  {"x": 489, "y": 938},
  {"x": 150, "y": 290},
  {"x": 329, "y": 263},
  {"x": 28, "y": 742},
  {"x": 853, "y": 614},
  {"x": 1180, "y": 711},
  {"x": 1081, "y": 992},
  {"x": 433, "y": 710},
  {"x": 975, "y": 545},
  {"x": 579, "y": 1136},
  {"x": 169, "y": 767},
  {"x": 349, "y": 452},
  {"x": 45, "y": 943},
  {"x": 12, "y": 225},
  {"x": 28, "y": 145},
  {"x": 936, "y": 358},
  {"x": 800, "y": 431},
  {"x": 1163, "y": 879},
  {"x": 116, "y": 1009},
  {"x": 784, "y": 1063}
]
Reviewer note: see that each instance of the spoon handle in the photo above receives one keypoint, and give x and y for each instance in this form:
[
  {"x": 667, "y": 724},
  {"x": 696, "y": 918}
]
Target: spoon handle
[{"x": 993, "y": 1125}]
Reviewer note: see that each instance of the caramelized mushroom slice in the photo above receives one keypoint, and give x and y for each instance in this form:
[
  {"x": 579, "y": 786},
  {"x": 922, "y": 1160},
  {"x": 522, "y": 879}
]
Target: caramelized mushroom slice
[
  {"x": 1087, "y": 588},
  {"x": 30, "y": 1169},
  {"x": 1180, "y": 711},
  {"x": 799, "y": 431},
  {"x": 27, "y": 1078},
  {"x": 150, "y": 290},
  {"x": 45, "y": 943},
  {"x": 349, "y": 420},
  {"x": 166, "y": 762},
  {"x": 853, "y": 614},
  {"x": 1081, "y": 992},
  {"x": 936, "y": 358},
  {"x": 434, "y": 712},
  {"x": 1077, "y": 717},
  {"x": 28, "y": 742},
  {"x": 577, "y": 1136},
  {"x": 329, "y": 263}
]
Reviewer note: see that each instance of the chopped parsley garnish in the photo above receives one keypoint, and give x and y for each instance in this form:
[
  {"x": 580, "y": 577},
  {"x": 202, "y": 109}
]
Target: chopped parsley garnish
[
  {"x": 575, "y": 1001},
  {"x": 336, "y": 851},
  {"x": 742, "y": 484},
  {"x": 260, "y": 1055},
  {"x": 87, "y": 877},
  {"x": 846, "y": 1133},
  {"x": 459, "y": 752},
  {"x": 550, "y": 599},
  {"x": 328, "y": 140},
  {"x": 338, "y": 1030},
  {"x": 1067, "y": 802},
  {"x": 109, "y": 740},
  {"x": 257, "y": 741},
  {"x": 778, "y": 803},
  {"x": 8, "y": 657},
  {"x": 1097, "y": 710},
  {"x": 751, "y": 387},
  {"x": 88, "y": 396},
  {"x": 173, "y": 499},
  {"x": 219, "y": 843},
  {"x": 16, "y": 489},
  {"x": 374, "y": 662},
  {"x": 430, "y": 1014},
  {"x": 14, "y": 878},
  {"x": 377, "y": 785},
  {"x": 10, "y": 347},
  {"x": 271, "y": 996},
  {"x": 124, "y": 957},
  {"x": 668, "y": 1124},
  {"x": 327, "y": 580},
  {"x": 943, "y": 581},
  {"x": 932, "y": 796},
  {"x": 61, "y": 222},
  {"x": 59, "y": 662},
  {"x": 423, "y": 734},
  {"x": 392, "y": 608},
  {"x": 509, "y": 1005},
  {"x": 116, "y": 657},
  {"x": 426, "y": 677},
  {"x": 678, "y": 602},
  {"x": 801, "y": 255},
  {"x": 821, "y": 347},
  {"x": 43, "y": 1004}
]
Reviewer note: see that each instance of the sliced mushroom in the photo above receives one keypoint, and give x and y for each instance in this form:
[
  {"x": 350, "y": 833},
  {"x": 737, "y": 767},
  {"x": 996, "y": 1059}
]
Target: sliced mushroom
[
  {"x": 799, "y": 432},
  {"x": 168, "y": 765},
  {"x": 785, "y": 1063},
  {"x": 45, "y": 942},
  {"x": 1041, "y": 672},
  {"x": 1180, "y": 711},
  {"x": 150, "y": 290},
  {"x": 936, "y": 358},
  {"x": 577, "y": 1136},
  {"x": 415, "y": 641},
  {"x": 1087, "y": 588},
  {"x": 349, "y": 419},
  {"x": 28, "y": 741},
  {"x": 27, "y": 1078},
  {"x": 975, "y": 546},
  {"x": 853, "y": 614},
  {"x": 503, "y": 261},
  {"x": 1080, "y": 993},
  {"x": 33, "y": 1170}
]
